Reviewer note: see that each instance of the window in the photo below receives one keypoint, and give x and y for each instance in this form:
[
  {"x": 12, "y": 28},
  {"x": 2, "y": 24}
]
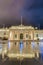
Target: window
[
  {"x": 36, "y": 35},
  {"x": 15, "y": 35},
  {"x": 26, "y": 35}
]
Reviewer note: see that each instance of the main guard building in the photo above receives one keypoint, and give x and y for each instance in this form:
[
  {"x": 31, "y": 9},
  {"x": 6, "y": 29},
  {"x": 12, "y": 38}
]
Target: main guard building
[{"x": 20, "y": 41}]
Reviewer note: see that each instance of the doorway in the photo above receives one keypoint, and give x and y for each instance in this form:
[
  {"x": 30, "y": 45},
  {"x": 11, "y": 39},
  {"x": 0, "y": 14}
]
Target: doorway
[{"x": 21, "y": 36}]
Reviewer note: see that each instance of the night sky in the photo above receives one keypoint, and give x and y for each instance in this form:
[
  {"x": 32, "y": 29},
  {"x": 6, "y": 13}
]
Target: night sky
[{"x": 30, "y": 10}]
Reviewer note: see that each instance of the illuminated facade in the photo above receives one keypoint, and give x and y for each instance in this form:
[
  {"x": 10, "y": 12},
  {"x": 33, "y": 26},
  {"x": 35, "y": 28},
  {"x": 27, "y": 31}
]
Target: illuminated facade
[{"x": 21, "y": 39}]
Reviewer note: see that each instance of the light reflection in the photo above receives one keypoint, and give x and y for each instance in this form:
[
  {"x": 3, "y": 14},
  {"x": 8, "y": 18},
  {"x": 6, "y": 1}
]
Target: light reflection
[
  {"x": 8, "y": 44},
  {"x": 21, "y": 47},
  {"x": 33, "y": 44},
  {"x": 0, "y": 48},
  {"x": 40, "y": 48}
]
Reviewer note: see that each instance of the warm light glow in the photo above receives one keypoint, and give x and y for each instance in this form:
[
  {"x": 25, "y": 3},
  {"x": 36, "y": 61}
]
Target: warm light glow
[{"x": 10, "y": 34}]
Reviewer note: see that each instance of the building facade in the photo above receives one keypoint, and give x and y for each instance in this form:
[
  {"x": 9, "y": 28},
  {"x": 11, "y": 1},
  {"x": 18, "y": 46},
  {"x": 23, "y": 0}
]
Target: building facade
[{"x": 22, "y": 40}]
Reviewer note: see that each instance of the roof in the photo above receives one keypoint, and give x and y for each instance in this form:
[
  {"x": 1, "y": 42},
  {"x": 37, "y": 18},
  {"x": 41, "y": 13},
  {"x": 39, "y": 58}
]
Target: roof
[{"x": 21, "y": 27}]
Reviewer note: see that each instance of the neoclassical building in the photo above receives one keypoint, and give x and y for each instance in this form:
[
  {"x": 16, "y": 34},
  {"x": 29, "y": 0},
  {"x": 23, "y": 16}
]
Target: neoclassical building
[{"x": 21, "y": 41}]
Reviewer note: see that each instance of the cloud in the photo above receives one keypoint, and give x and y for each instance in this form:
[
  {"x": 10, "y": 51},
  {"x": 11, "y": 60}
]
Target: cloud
[
  {"x": 31, "y": 11},
  {"x": 34, "y": 12},
  {"x": 10, "y": 8}
]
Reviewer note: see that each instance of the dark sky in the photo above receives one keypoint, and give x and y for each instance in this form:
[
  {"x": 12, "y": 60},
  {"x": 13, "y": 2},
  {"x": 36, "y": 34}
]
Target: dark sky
[{"x": 30, "y": 10}]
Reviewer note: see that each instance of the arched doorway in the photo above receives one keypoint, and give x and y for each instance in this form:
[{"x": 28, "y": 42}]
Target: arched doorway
[{"x": 21, "y": 36}]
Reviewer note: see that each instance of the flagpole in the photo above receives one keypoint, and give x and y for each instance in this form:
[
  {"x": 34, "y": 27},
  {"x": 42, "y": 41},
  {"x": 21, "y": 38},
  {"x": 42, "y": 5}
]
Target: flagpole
[{"x": 21, "y": 20}]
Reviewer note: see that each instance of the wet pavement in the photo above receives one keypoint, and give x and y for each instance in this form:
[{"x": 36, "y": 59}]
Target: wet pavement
[{"x": 25, "y": 61}]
